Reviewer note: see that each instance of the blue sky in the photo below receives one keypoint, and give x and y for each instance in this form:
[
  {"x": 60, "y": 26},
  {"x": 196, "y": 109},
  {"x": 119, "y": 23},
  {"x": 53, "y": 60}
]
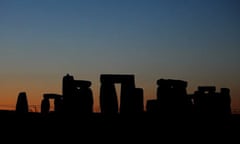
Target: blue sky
[{"x": 194, "y": 40}]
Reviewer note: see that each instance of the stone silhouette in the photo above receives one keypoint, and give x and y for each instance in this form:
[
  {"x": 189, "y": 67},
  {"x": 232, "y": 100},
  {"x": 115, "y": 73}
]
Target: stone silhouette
[
  {"x": 108, "y": 98},
  {"x": 22, "y": 103},
  {"x": 209, "y": 103},
  {"x": 77, "y": 95},
  {"x": 45, "y": 104},
  {"x": 85, "y": 98},
  {"x": 131, "y": 98},
  {"x": 172, "y": 98},
  {"x": 225, "y": 102},
  {"x": 153, "y": 106}
]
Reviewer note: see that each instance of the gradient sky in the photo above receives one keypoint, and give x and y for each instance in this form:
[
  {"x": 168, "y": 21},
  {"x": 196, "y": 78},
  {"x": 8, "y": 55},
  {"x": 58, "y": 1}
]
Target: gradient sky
[{"x": 193, "y": 40}]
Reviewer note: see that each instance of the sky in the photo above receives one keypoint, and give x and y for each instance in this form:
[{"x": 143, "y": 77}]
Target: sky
[{"x": 197, "y": 41}]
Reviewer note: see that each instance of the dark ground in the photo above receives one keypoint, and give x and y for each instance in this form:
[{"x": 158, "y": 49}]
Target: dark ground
[{"x": 118, "y": 128}]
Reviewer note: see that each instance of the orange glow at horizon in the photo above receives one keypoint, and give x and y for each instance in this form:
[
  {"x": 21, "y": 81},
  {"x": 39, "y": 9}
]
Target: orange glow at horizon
[{"x": 34, "y": 94}]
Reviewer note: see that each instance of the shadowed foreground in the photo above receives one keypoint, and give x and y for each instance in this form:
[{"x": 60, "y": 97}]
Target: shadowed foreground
[{"x": 102, "y": 128}]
